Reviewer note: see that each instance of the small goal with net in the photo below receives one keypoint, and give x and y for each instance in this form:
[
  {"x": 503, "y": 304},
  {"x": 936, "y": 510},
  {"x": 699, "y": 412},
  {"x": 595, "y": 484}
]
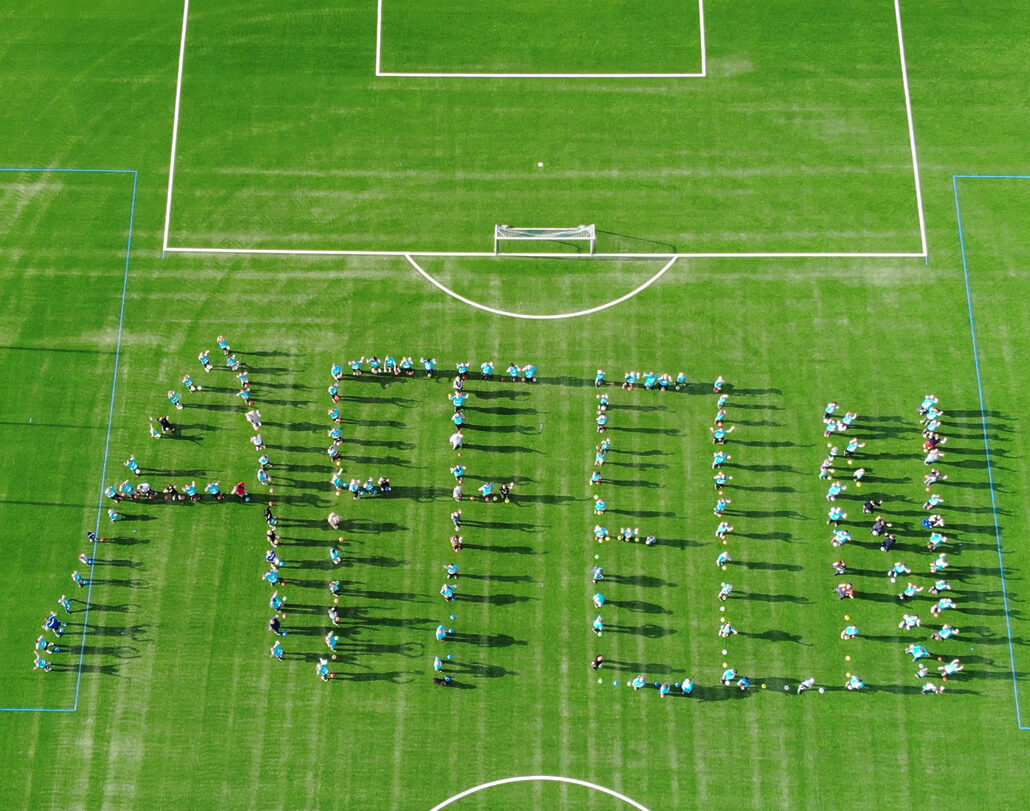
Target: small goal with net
[{"x": 579, "y": 233}]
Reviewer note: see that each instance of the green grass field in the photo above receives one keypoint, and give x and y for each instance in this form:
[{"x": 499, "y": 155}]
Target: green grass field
[{"x": 795, "y": 141}]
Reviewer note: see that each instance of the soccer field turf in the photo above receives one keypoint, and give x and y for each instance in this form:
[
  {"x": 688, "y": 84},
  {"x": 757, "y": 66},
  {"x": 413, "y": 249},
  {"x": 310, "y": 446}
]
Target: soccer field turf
[{"x": 165, "y": 693}]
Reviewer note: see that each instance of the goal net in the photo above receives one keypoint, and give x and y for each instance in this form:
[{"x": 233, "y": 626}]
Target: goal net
[{"x": 582, "y": 233}]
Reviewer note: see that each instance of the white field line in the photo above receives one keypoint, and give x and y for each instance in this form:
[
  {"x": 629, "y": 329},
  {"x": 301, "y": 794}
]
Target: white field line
[
  {"x": 175, "y": 125},
  {"x": 166, "y": 249},
  {"x": 911, "y": 129},
  {"x": 515, "y": 255},
  {"x": 529, "y": 317},
  {"x": 543, "y": 75},
  {"x": 701, "y": 31},
  {"x": 448, "y": 74},
  {"x": 539, "y": 778},
  {"x": 379, "y": 37}
]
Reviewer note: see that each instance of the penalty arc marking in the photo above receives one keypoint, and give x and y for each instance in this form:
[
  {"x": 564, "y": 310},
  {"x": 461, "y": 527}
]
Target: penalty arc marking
[
  {"x": 532, "y": 317},
  {"x": 539, "y": 778}
]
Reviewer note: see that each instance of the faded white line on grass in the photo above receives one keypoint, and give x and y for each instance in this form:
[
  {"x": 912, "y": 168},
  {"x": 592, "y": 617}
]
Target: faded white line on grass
[
  {"x": 175, "y": 125},
  {"x": 555, "y": 316},
  {"x": 539, "y": 778}
]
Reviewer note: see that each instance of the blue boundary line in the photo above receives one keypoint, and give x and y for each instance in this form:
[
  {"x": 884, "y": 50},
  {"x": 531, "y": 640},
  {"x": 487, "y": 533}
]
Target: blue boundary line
[
  {"x": 110, "y": 417},
  {"x": 983, "y": 419}
]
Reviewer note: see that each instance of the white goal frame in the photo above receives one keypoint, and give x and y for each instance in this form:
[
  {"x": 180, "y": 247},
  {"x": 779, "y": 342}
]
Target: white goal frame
[{"x": 581, "y": 233}]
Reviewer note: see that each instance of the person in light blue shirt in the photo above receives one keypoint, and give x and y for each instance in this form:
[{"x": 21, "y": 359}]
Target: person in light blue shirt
[
  {"x": 487, "y": 369},
  {"x": 917, "y": 652}
]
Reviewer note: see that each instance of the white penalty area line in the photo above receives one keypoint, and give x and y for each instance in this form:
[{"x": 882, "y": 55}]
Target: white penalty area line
[
  {"x": 579, "y": 257},
  {"x": 472, "y": 75},
  {"x": 911, "y": 131},
  {"x": 542, "y": 779},
  {"x": 175, "y": 126}
]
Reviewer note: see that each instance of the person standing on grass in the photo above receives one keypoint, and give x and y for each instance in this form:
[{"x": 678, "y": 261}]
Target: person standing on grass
[
  {"x": 205, "y": 360},
  {"x": 457, "y": 440},
  {"x": 276, "y": 651}
]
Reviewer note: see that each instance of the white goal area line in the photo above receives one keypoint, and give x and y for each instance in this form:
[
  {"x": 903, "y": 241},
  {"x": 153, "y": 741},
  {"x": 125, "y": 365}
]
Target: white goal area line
[
  {"x": 472, "y": 75},
  {"x": 923, "y": 253}
]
